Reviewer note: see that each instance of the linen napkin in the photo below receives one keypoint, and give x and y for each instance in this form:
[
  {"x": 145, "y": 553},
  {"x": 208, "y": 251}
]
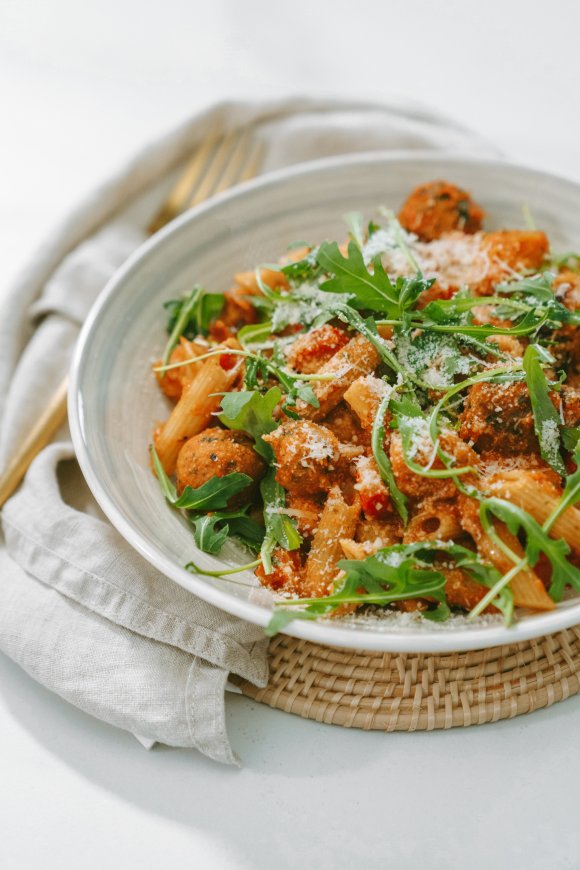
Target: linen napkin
[{"x": 81, "y": 611}]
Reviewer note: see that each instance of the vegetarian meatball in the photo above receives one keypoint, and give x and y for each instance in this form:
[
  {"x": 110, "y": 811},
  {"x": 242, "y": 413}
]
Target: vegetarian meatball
[
  {"x": 498, "y": 418},
  {"x": 306, "y": 454},
  {"x": 215, "y": 453},
  {"x": 437, "y": 208}
]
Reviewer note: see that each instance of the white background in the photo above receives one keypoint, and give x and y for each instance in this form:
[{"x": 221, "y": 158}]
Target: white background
[{"x": 83, "y": 85}]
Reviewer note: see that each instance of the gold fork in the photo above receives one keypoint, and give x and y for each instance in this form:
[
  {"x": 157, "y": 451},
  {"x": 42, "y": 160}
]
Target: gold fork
[{"x": 217, "y": 164}]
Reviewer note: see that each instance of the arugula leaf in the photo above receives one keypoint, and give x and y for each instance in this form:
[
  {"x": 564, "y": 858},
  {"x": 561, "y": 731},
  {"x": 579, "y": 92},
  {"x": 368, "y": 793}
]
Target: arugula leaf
[
  {"x": 399, "y": 572},
  {"x": 383, "y": 461},
  {"x": 190, "y": 316},
  {"x": 371, "y": 291},
  {"x": 433, "y": 356},
  {"x": 393, "y": 574},
  {"x": 416, "y": 437},
  {"x": 571, "y": 494},
  {"x": 307, "y": 306},
  {"x": 355, "y": 224},
  {"x": 306, "y": 269},
  {"x": 280, "y": 528},
  {"x": 546, "y": 418},
  {"x": 307, "y": 394},
  {"x": 369, "y": 330},
  {"x": 193, "y": 313},
  {"x": 214, "y": 494},
  {"x": 536, "y": 287},
  {"x": 212, "y": 530},
  {"x": 569, "y": 260},
  {"x": 281, "y": 618},
  {"x": 247, "y": 530},
  {"x": 252, "y": 412},
  {"x": 459, "y": 308},
  {"x": 409, "y": 289},
  {"x": 207, "y": 536},
  {"x": 539, "y": 290},
  {"x": 254, "y": 333},
  {"x": 537, "y": 538},
  {"x": 530, "y": 322},
  {"x": 570, "y": 437},
  {"x": 255, "y": 368},
  {"x": 167, "y": 487}
]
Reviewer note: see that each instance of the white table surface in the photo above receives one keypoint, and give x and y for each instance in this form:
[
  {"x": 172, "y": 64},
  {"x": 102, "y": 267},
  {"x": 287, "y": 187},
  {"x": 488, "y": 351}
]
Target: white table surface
[{"x": 83, "y": 85}]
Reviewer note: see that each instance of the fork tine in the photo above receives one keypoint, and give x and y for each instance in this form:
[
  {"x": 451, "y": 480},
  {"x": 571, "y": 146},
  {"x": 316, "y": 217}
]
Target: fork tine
[
  {"x": 253, "y": 163},
  {"x": 218, "y": 163},
  {"x": 213, "y": 172},
  {"x": 176, "y": 202},
  {"x": 237, "y": 162}
]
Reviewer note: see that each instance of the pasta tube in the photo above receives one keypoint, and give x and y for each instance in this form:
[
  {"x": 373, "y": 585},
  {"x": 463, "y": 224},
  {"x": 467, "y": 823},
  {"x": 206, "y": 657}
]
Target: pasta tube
[
  {"x": 364, "y": 397},
  {"x": 528, "y": 589},
  {"x": 199, "y": 400},
  {"x": 338, "y": 520},
  {"x": 434, "y": 519},
  {"x": 530, "y": 491},
  {"x": 356, "y": 358}
]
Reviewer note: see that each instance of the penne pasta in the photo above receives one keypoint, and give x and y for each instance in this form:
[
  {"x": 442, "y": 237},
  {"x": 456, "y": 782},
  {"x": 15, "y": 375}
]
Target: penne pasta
[
  {"x": 530, "y": 491},
  {"x": 353, "y": 549},
  {"x": 528, "y": 589},
  {"x": 172, "y": 381},
  {"x": 338, "y": 520},
  {"x": 193, "y": 412},
  {"x": 270, "y": 277},
  {"x": 357, "y": 358},
  {"x": 363, "y": 397},
  {"x": 434, "y": 520}
]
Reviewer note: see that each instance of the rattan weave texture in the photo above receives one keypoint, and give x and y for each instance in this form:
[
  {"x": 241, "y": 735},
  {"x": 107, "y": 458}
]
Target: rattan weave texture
[{"x": 413, "y": 692}]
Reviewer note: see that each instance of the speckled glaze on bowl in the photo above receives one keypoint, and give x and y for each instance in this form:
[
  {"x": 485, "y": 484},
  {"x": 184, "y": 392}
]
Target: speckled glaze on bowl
[{"x": 114, "y": 402}]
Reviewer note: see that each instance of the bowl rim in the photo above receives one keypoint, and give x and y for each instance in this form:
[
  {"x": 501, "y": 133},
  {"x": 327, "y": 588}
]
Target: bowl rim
[{"x": 347, "y": 636}]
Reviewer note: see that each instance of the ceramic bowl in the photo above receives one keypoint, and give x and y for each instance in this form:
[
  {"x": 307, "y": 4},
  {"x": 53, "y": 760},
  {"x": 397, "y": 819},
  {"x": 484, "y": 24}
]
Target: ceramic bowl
[{"x": 114, "y": 401}]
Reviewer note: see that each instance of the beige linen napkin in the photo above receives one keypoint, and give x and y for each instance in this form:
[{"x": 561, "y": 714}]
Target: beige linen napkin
[{"x": 80, "y": 611}]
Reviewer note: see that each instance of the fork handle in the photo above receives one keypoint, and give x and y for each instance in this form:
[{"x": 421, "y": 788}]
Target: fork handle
[{"x": 38, "y": 437}]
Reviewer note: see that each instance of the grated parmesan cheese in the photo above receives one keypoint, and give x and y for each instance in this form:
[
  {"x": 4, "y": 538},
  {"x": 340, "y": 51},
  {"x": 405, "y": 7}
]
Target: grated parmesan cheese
[
  {"x": 550, "y": 438},
  {"x": 421, "y": 441},
  {"x": 453, "y": 260}
]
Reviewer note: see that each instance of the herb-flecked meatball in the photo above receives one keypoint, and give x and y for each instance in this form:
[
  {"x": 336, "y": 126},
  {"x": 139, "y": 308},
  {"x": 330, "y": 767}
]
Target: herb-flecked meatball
[
  {"x": 437, "y": 208},
  {"x": 215, "y": 453},
  {"x": 306, "y": 455}
]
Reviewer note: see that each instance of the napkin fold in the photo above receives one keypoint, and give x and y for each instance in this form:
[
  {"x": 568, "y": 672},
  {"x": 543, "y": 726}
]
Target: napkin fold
[{"x": 81, "y": 611}]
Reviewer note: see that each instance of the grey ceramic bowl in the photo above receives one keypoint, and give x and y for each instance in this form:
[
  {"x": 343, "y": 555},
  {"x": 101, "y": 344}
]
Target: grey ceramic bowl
[{"x": 114, "y": 402}]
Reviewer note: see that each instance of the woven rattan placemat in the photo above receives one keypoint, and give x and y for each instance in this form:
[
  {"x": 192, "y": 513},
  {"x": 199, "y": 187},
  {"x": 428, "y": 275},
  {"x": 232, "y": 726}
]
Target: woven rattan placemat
[{"x": 411, "y": 692}]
